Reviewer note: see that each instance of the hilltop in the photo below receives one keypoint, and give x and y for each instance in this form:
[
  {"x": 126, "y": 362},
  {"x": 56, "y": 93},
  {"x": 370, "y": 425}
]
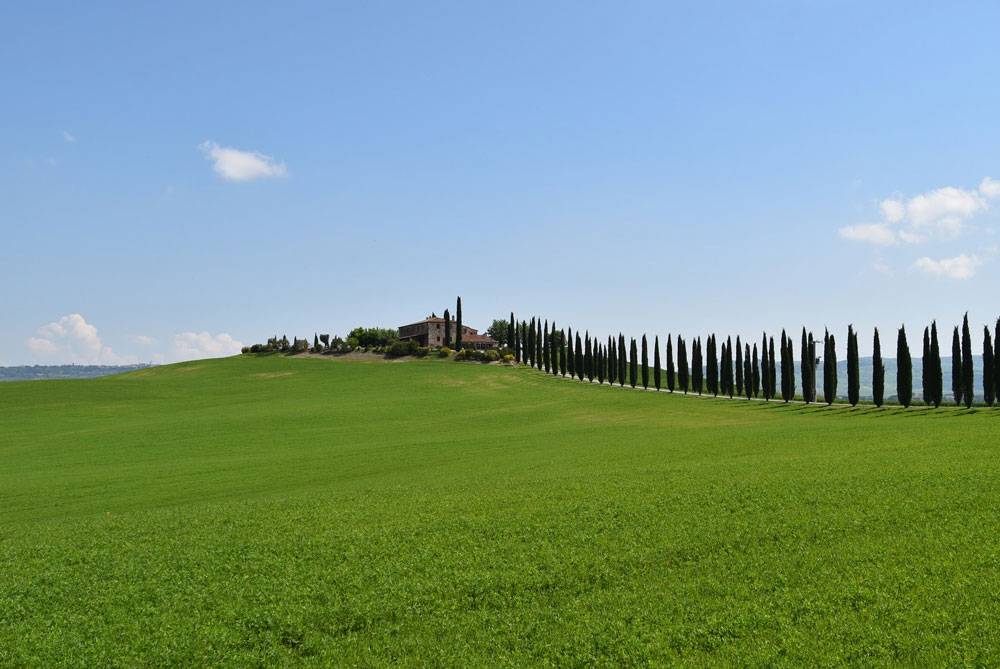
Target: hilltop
[{"x": 285, "y": 511}]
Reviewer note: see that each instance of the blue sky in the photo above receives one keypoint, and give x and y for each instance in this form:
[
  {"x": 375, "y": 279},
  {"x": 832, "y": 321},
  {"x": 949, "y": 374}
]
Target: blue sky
[{"x": 179, "y": 178}]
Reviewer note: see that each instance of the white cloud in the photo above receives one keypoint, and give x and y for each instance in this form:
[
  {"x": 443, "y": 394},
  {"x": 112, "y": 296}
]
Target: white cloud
[
  {"x": 68, "y": 137},
  {"x": 959, "y": 267},
  {"x": 990, "y": 187},
  {"x": 193, "y": 346},
  {"x": 882, "y": 268},
  {"x": 144, "y": 340},
  {"x": 941, "y": 213},
  {"x": 73, "y": 339},
  {"x": 875, "y": 233},
  {"x": 236, "y": 165}
]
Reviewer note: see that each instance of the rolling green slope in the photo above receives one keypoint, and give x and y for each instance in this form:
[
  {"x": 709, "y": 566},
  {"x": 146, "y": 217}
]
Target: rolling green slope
[{"x": 275, "y": 511}]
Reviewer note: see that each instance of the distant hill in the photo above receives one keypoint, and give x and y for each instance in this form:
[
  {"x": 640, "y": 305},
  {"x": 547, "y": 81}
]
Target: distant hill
[{"x": 39, "y": 372}]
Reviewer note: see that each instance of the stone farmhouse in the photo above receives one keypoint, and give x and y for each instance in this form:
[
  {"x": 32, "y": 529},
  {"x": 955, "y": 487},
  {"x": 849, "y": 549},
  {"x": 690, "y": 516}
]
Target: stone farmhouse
[{"x": 430, "y": 332}]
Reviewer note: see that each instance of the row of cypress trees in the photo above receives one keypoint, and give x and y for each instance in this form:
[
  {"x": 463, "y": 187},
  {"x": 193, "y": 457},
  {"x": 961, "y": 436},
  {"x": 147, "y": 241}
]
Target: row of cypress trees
[{"x": 752, "y": 372}]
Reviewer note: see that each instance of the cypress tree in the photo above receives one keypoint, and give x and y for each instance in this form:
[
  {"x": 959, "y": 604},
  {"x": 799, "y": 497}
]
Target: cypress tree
[
  {"x": 829, "y": 368},
  {"x": 853, "y": 367},
  {"x": 904, "y": 369},
  {"x": 458, "y": 325},
  {"x": 755, "y": 372},
  {"x": 555, "y": 344},
  {"x": 531, "y": 343},
  {"x": 739, "y": 367},
  {"x": 546, "y": 352},
  {"x": 878, "y": 372},
  {"x": 747, "y": 373},
  {"x": 622, "y": 360},
  {"x": 570, "y": 356},
  {"x": 727, "y": 367},
  {"x": 538, "y": 344},
  {"x": 697, "y": 366},
  {"x": 925, "y": 362},
  {"x": 612, "y": 361},
  {"x": 563, "y": 342},
  {"x": 989, "y": 386},
  {"x": 956, "y": 368},
  {"x": 588, "y": 357},
  {"x": 447, "y": 328},
  {"x": 599, "y": 359},
  {"x": 765, "y": 368},
  {"x": 510, "y": 332},
  {"x": 935, "y": 377},
  {"x": 633, "y": 364},
  {"x": 807, "y": 362},
  {"x": 579, "y": 357},
  {"x": 645, "y": 363},
  {"x": 771, "y": 372},
  {"x": 784, "y": 366},
  {"x": 524, "y": 342},
  {"x": 670, "y": 364},
  {"x": 682, "y": 365},
  {"x": 656, "y": 362},
  {"x": 712, "y": 367},
  {"x": 967, "y": 379}
]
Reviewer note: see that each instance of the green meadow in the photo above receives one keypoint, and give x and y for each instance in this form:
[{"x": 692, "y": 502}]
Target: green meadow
[{"x": 272, "y": 511}]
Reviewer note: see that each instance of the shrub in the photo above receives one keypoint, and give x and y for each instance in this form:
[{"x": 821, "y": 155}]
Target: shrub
[
  {"x": 489, "y": 355},
  {"x": 245, "y": 350},
  {"x": 352, "y": 343},
  {"x": 444, "y": 352},
  {"x": 401, "y": 348},
  {"x": 508, "y": 359},
  {"x": 422, "y": 351}
]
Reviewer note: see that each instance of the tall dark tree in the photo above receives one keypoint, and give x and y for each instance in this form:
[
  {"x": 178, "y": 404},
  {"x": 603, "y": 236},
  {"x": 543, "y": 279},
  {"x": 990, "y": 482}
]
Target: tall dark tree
[
  {"x": 755, "y": 373},
  {"x": 772, "y": 370},
  {"x": 538, "y": 343},
  {"x": 570, "y": 356},
  {"x": 612, "y": 361},
  {"x": 458, "y": 325},
  {"x": 904, "y": 369},
  {"x": 531, "y": 343},
  {"x": 682, "y": 365},
  {"x": 989, "y": 386},
  {"x": 956, "y": 368},
  {"x": 765, "y": 384},
  {"x": 599, "y": 359},
  {"x": 670, "y": 364},
  {"x": 830, "y": 369},
  {"x": 925, "y": 364},
  {"x": 697, "y": 366},
  {"x": 563, "y": 343},
  {"x": 726, "y": 372},
  {"x": 447, "y": 328},
  {"x": 853, "y": 367},
  {"x": 936, "y": 376},
  {"x": 588, "y": 358},
  {"x": 555, "y": 343},
  {"x": 712, "y": 367},
  {"x": 633, "y": 364},
  {"x": 656, "y": 362},
  {"x": 546, "y": 351},
  {"x": 511, "y": 332},
  {"x": 523, "y": 338},
  {"x": 739, "y": 367},
  {"x": 808, "y": 361},
  {"x": 967, "y": 380},
  {"x": 579, "y": 357},
  {"x": 645, "y": 363},
  {"x": 622, "y": 360},
  {"x": 747, "y": 373},
  {"x": 878, "y": 372}
]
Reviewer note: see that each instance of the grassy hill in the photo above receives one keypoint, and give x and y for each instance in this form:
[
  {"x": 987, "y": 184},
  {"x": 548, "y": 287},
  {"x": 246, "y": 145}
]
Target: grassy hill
[{"x": 276, "y": 511}]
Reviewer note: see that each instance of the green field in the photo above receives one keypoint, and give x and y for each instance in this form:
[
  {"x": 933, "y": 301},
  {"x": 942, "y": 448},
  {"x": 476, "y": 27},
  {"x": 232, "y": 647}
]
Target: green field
[{"x": 276, "y": 511}]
